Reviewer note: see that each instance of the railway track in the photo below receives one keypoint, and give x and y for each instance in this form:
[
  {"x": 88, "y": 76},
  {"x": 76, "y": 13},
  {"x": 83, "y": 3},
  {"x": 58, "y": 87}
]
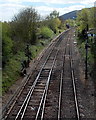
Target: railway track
[
  {"x": 32, "y": 100},
  {"x": 35, "y": 91},
  {"x": 68, "y": 97},
  {"x": 26, "y": 79}
]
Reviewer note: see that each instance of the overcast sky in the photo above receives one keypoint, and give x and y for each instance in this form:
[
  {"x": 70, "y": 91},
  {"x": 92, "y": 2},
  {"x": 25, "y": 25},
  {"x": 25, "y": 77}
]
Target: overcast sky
[{"x": 8, "y": 8}]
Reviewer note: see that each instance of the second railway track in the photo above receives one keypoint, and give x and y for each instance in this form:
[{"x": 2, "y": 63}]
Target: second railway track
[
  {"x": 68, "y": 99},
  {"x": 34, "y": 100}
]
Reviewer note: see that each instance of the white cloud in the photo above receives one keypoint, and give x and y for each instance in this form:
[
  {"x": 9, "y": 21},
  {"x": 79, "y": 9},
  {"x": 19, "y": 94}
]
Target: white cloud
[
  {"x": 12, "y": 1},
  {"x": 87, "y": 1},
  {"x": 10, "y": 7},
  {"x": 69, "y": 9},
  {"x": 7, "y": 11},
  {"x": 44, "y": 10},
  {"x": 52, "y": 1}
]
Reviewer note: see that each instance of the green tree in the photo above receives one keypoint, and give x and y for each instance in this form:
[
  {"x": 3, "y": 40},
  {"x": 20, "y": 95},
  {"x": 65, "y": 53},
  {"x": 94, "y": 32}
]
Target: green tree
[
  {"x": 83, "y": 23},
  {"x": 82, "y": 19},
  {"x": 25, "y": 24},
  {"x": 0, "y": 45},
  {"x": 92, "y": 17},
  {"x": 46, "y": 32},
  {"x": 52, "y": 21},
  {"x": 55, "y": 24},
  {"x": 54, "y": 14},
  {"x": 7, "y": 43},
  {"x": 86, "y": 21},
  {"x": 70, "y": 22}
]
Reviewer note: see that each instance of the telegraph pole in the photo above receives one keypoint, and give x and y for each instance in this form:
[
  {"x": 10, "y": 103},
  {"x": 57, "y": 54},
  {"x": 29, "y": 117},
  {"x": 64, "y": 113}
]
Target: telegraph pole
[
  {"x": 86, "y": 50},
  {"x": 86, "y": 59}
]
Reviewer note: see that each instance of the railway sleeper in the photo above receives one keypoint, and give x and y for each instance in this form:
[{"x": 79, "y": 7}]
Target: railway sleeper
[
  {"x": 44, "y": 75},
  {"x": 34, "y": 101},
  {"x": 36, "y": 97},
  {"x": 33, "y": 104},
  {"x": 46, "y": 70},
  {"x": 27, "y": 117},
  {"x": 38, "y": 94},
  {"x": 40, "y": 87},
  {"x": 32, "y": 108},
  {"x": 41, "y": 82},
  {"x": 38, "y": 90}
]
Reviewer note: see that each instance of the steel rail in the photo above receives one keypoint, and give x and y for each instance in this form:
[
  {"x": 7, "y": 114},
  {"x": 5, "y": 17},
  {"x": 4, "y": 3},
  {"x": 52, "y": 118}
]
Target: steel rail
[
  {"x": 58, "y": 37},
  {"x": 60, "y": 97},
  {"x": 32, "y": 87},
  {"x": 44, "y": 101},
  {"x": 42, "y": 114},
  {"x": 15, "y": 99},
  {"x": 75, "y": 94},
  {"x": 61, "y": 82},
  {"x": 19, "y": 91},
  {"x": 46, "y": 89},
  {"x": 26, "y": 101},
  {"x": 40, "y": 102},
  {"x": 74, "y": 84}
]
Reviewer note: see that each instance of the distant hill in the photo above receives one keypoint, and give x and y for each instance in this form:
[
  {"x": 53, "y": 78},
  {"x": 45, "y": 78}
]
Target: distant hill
[{"x": 70, "y": 15}]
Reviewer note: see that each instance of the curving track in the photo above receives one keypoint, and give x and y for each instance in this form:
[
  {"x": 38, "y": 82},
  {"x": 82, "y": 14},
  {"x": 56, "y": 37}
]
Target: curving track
[{"x": 32, "y": 101}]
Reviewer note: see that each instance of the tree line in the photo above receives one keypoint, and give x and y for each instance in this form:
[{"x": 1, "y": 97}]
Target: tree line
[
  {"x": 25, "y": 28},
  {"x": 86, "y": 29}
]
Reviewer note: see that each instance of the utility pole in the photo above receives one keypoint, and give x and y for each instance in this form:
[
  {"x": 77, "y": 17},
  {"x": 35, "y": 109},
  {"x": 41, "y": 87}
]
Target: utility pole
[
  {"x": 86, "y": 62},
  {"x": 86, "y": 50}
]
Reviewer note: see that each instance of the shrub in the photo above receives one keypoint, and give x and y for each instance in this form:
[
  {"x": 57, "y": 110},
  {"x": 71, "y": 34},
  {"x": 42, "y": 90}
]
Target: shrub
[
  {"x": 46, "y": 32},
  {"x": 11, "y": 72},
  {"x": 7, "y": 43}
]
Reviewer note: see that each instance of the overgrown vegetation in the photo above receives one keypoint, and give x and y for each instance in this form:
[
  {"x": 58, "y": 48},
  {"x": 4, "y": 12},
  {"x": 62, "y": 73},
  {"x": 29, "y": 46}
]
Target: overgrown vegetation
[
  {"x": 86, "y": 25},
  {"x": 26, "y": 27},
  {"x": 46, "y": 32}
]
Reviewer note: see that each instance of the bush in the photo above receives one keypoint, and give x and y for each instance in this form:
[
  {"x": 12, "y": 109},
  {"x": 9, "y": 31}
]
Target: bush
[
  {"x": 46, "y": 32},
  {"x": 0, "y": 82},
  {"x": 7, "y": 43},
  {"x": 11, "y": 72}
]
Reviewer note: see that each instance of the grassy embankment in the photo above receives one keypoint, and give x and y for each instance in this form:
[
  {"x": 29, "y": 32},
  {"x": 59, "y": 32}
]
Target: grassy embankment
[{"x": 11, "y": 72}]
